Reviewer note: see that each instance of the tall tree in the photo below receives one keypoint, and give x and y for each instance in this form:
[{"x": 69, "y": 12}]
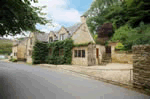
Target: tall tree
[
  {"x": 19, "y": 15},
  {"x": 96, "y": 13}
]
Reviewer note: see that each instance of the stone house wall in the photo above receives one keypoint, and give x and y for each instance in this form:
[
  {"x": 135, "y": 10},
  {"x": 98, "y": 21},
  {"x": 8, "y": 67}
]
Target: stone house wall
[
  {"x": 22, "y": 47},
  {"x": 80, "y": 60},
  {"x": 14, "y": 50},
  {"x": 30, "y": 47},
  {"x": 82, "y": 35},
  {"x": 90, "y": 55},
  {"x": 141, "y": 66}
]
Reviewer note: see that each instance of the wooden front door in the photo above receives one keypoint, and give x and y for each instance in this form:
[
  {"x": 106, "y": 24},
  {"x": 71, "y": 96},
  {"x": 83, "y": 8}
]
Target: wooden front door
[{"x": 97, "y": 55}]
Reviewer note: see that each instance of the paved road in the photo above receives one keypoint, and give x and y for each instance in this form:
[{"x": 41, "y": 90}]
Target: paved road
[{"x": 18, "y": 81}]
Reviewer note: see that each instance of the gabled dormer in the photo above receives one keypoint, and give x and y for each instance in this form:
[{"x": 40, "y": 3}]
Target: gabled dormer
[
  {"x": 52, "y": 37},
  {"x": 63, "y": 33}
]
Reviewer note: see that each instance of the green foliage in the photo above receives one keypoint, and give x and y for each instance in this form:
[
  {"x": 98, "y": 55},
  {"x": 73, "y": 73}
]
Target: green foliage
[
  {"x": 130, "y": 12},
  {"x": 123, "y": 33},
  {"x": 17, "y": 16},
  {"x": 132, "y": 36},
  {"x": 13, "y": 60},
  {"x": 55, "y": 58},
  {"x": 96, "y": 13},
  {"x": 40, "y": 51},
  {"x": 119, "y": 46},
  {"x": 95, "y": 37},
  {"x": 119, "y": 13}
]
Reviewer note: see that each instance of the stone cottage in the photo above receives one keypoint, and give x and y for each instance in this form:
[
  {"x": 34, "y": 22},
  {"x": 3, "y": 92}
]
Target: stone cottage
[
  {"x": 19, "y": 49},
  {"x": 88, "y": 55}
]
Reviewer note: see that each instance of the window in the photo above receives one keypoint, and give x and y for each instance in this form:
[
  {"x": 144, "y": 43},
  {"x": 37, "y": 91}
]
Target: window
[
  {"x": 61, "y": 52},
  {"x": 50, "y": 39},
  {"x": 30, "y": 52},
  {"x": 50, "y": 51},
  {"x": 62, "y": 36},
  {"x": 15, "y": 54},
  {"x": 75, "y": 53},
  {"x": 83, "y": 53},
  {"x": 79, "y": 53}
]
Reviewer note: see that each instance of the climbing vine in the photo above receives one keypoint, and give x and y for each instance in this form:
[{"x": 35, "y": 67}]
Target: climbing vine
[
  {"x": 40, "y": 51},
  {"x": 60, "y": 52}
]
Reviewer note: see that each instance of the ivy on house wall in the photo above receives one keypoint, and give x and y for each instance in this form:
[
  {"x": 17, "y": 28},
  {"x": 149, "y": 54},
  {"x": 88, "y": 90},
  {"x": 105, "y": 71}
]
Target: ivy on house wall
[
  {"x": 55, "y": 57},
  {"x": 40, "y": 51}
]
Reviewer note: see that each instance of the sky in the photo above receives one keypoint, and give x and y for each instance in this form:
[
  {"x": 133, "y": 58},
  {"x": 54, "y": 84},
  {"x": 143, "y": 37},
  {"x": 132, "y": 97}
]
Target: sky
[{"x": 62, "y": 12}]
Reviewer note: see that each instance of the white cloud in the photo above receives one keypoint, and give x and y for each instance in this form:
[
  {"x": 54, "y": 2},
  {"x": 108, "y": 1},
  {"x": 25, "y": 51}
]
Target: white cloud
[{"x": 59, "y": 12}]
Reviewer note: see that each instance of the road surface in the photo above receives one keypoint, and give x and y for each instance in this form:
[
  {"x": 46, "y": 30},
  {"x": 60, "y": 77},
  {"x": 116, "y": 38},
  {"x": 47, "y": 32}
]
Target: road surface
[{"x": 19, "y": 81}]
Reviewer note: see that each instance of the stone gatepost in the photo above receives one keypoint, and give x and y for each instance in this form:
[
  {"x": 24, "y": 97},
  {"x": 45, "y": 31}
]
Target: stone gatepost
[
  {"x": 91, "y": 54},
  {"x": 141, "y": 66}
]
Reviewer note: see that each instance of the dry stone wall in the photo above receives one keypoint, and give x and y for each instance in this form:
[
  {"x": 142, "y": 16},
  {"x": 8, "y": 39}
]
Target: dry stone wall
[{"x": 141, "y": 66}]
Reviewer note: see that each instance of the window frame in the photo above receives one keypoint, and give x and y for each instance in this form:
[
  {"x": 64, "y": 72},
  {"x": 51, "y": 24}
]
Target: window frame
[
  {"x": 75, "y": 53},
  {"x": 83, "y": 55},
  {"x": 62, "y": 36},
  {"x": 78, "y": 53}
]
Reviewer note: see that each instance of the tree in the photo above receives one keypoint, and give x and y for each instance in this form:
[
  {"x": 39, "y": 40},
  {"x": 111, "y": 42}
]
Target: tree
[
  {"x": 97, "y": 12},
  {"x": 131, "y": 12},
  {"x": 19, "y": 15}
]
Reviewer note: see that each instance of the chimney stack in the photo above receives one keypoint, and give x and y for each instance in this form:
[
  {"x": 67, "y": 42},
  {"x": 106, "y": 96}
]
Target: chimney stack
[{"x": 83, "y": 19}]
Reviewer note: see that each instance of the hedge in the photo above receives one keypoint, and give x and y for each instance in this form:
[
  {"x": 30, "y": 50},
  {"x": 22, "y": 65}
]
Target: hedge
[{"x": 40, "y": 51}]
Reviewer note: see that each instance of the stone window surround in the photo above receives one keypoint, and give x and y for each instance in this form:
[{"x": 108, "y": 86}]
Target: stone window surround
[
  {"x": 51, "y": 39},
  {"x": 77, "y": 50},
  {"x": 15, "y": 53},
  {"x": 62, "y": 36}
]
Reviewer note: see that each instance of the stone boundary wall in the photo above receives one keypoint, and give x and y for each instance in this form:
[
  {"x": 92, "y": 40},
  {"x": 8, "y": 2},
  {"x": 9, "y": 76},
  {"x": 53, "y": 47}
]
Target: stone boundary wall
[
  {"x": 122, "y": 58},
  {"x": 141, "y": 66}
]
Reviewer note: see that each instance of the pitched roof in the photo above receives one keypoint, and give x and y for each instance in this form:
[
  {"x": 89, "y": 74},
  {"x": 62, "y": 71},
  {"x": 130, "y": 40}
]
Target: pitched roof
[
  {"x": 70, "y": 29},
  {"x": 17, "y": 42},
  {"x": 73, "y": 28},
  {"x": 42, "y": 36}
]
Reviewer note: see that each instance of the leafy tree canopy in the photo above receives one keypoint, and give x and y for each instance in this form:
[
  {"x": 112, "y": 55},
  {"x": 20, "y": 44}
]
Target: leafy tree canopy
[{"x": 19, "y": 15}]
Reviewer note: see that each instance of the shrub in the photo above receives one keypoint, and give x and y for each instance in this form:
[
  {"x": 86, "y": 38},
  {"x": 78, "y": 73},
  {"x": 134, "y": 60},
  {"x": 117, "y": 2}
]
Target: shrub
[
  {"x": 13, "y": 60},
  {"x": 119, "y": 46}
]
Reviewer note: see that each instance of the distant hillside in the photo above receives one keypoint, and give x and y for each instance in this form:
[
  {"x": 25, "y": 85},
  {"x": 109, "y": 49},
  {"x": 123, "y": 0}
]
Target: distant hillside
[{"x": 5, "y": 46}]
